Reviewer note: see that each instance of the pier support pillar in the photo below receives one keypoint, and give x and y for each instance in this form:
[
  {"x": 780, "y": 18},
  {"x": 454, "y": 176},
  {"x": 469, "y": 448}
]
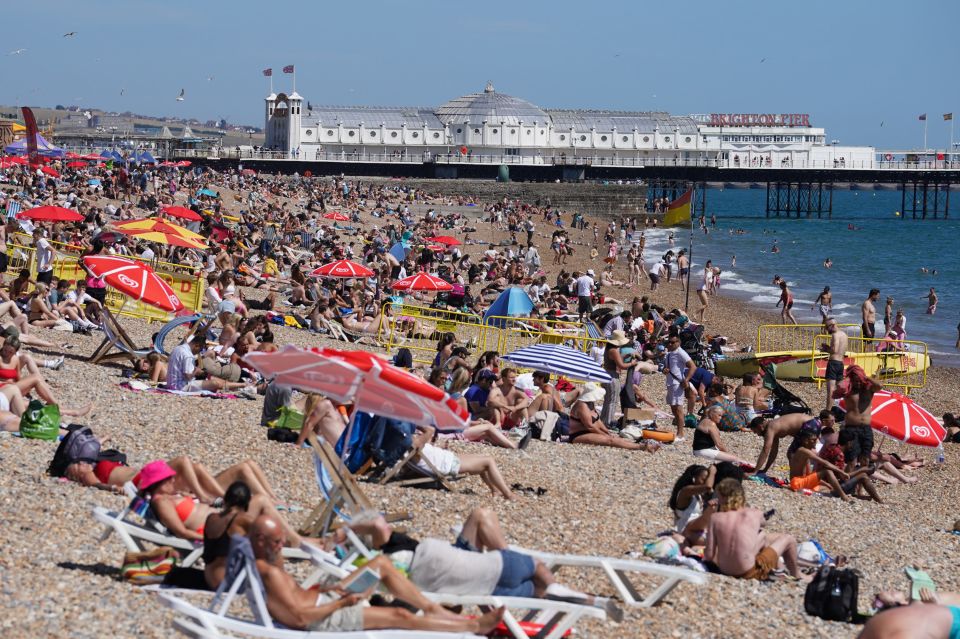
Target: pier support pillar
[{"x": 799, "y": 198}]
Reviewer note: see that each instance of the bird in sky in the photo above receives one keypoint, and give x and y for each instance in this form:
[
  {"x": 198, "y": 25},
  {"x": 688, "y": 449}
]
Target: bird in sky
[
  {"x": 17, "y": 52},
  {"x": 881, "y": 123},
  {"x": 180, "y": 97},
  {"x": 121, "y": 91},
  {"x": 209, "y": 78},
  {"x": 762, "y": 60},
  {"x": 69, "y": 34}
]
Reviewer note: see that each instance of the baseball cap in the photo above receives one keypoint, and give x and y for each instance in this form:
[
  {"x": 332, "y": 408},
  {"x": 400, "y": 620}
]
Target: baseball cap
[
  {"x": 486, "y": 374},
  {"x": 590, "y": 272}
]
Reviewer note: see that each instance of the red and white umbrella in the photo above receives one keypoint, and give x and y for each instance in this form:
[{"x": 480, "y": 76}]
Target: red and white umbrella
[
  {"x": 445, "y": 240},
  {"x": 899, "y": 417},
  {"x": 77, "y": 164},
  {"x": 134, "y": 279},
  {"x": 49, "y": 171},
  {"x": 182, "y": 212},
  {"x": 336, "y": 217},
  {"x": 342, "y": 268},
  {"x": 184, "y": 163},
  {"x": 12, "y": 161},
  {"x": 373, "y": 385},
  {"x": 50, "y": 214},
  {"x": 421, "y": 282}
]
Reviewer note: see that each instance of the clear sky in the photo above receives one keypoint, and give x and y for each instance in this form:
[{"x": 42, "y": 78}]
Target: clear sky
[{"x": 863, "y": 70}]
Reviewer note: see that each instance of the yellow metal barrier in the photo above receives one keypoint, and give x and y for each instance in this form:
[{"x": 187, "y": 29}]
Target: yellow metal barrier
[
  {"x": 774, "y": 338},
  {"x": 188, "y": 286},
  {"x": 507, "y": 334},
  {"x": 418, "y": 328},
  {"x": 900, "y": 363}
]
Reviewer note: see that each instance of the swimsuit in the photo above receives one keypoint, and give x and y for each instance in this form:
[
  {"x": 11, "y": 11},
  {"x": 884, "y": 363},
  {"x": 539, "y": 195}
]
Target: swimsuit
[
  {"x": 184, "y": 509},
  {"x": 214, "y": 548},
  {"x": 955, "y": 627},
  {"x": 103, "y": 468},
  {"x": 808, "y": 482}
]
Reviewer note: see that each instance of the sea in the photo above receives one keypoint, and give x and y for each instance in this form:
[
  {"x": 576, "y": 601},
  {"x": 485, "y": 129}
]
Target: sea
[{"x": 869, "y": 244}]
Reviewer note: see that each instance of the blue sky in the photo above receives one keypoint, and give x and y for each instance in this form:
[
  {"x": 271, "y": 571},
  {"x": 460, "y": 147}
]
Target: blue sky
[{"x": 851, "y": 65}]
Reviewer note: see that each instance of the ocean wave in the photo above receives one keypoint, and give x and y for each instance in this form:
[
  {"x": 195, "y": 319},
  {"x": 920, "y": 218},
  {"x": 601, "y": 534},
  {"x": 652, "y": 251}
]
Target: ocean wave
[
  {"x": 747, "y": 287},
  {"x": 758, "y": 299},
  {"x": 840, "y": 306}
]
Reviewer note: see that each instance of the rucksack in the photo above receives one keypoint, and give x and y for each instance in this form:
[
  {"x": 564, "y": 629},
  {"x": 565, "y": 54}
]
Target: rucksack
[
  {"x": 79, "y": 444},
  {"x": 832, "y": 594}
]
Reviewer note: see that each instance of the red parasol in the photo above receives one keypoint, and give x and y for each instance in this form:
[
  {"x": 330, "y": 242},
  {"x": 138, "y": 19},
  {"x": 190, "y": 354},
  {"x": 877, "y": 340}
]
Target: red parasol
[
  {"x": 184, "y": 163},
  {"x": 77, "y": 164},
  {"x": 901, "y": 418},
  {"x": 134, "y": 279},
  {"x": 248, "y": 172},
  {"x": 182, "y": 213},
  {"x": 91, "y": 156},
  {"x": 70, "y": 155},
  {"x": 50, "y": 214},
  {"x": 336, "y": 217},
  {"x": 10, "y": 162},
  {"x": 342, "y": 268},
  {"x": 436, "y": 247},
  {"x": 444, "y": 239},
  {"x": 421, "y": 282},
  {"x": 49, "y": 171}
]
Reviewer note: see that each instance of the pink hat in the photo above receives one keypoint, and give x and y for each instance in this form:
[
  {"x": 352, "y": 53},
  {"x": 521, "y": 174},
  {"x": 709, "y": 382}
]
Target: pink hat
[{"x": 153, "y": 473}]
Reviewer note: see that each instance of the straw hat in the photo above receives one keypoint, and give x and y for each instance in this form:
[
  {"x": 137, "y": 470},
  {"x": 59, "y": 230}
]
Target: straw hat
[
  {"x": 592, "y": 392},
  {"x": 618, "y": 338},
  {"x": 153, "y": 473}
]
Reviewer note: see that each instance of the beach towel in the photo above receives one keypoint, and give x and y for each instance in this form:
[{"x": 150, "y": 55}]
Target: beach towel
[{"x": 138, "y": 388}]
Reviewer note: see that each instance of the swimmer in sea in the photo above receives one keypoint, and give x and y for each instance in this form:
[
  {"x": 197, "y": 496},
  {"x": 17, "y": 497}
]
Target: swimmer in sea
[
  {"x": 931, "y": 301},
  {"x": 733, "y": 261},
  {"x": 777, "y": 280},
  {"x": 827, "y": 263}
]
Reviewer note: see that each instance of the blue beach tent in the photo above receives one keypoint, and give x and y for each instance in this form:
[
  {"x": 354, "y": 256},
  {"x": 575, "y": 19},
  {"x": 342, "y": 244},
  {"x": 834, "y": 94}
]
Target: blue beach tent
[{"x": 512, "y": 302}]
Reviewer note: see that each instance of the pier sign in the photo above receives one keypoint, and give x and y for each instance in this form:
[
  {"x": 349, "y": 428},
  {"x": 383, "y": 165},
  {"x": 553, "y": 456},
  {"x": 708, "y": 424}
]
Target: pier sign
[{"x": 759, "y": 119}]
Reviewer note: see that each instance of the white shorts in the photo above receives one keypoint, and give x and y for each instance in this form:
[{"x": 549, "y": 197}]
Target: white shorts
[
  {"x": 446, "y": 462},
  {"x": 193, "y": 386},
  {"x": 707, "y": 453},
  {"x": 676, "y": 396}
]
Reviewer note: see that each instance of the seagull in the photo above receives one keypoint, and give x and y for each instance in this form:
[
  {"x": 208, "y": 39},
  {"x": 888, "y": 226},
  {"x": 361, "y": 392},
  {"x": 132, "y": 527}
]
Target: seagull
[
  {"x": 17, "y": 52},
  {"x": 762, "y": 60},
  {"x": 881, "y": 123},
  {"x": 70, "y": 34},
  {"x": 209, "y": 78},
  {"x": 180, "y": 97},
  {"x": 121, "y": 91}
]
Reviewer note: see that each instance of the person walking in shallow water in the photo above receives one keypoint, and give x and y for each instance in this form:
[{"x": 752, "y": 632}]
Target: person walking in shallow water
[
  {"x": 786, "y": 298},
  {"x": 931, "y": 301}
]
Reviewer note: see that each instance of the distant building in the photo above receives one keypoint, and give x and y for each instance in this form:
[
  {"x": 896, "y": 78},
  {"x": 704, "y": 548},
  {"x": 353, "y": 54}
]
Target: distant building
[{"x": 495, "y": 124}]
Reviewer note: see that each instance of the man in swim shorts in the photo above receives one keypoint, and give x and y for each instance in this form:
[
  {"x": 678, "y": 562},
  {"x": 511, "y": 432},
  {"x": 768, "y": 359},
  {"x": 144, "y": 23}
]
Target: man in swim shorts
[
  {"x": 858, "y": 400},
  {"x": 837, "y": 349},
  {"x": 869, "y": 313}
]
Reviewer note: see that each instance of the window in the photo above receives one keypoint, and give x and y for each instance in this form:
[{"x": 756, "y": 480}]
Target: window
[
  {"x": 686, "y": 139},
  {"x": 529, "y": 132},
  {"x": 603, "y": 138},
  {"x": 625, "y": 138},
  {"x": 666, "y": 138},
  {"x": 513, "y": 131},
  {"x": 562, "y": 137},
  {"x": 435, "y": 135},
  {"x": 459, "y": 130},
  {"x": 329, "y": 131},
  {"x": 352, "y": 133},
  {"x": 494, "y": 130},
  {"x": 373, "y": 134},
  {"x": 646, "y": 138},
  {"x": 583, "y": 138},
  {"x": 416, "y": 134},
  {"x": 309, "y": 133},
  {"x": 393, "y": 134},
  {"x": 477, "y": 131}
]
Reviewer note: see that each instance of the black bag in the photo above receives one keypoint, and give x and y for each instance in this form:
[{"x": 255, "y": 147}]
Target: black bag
[
  {"x": 832, "y": 594},
  {"x": 282, "y": 435}
]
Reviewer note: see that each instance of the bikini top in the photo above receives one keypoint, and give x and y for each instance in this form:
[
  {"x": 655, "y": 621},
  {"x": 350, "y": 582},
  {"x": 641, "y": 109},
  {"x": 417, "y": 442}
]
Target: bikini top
[{"x": 9, "y": 374}]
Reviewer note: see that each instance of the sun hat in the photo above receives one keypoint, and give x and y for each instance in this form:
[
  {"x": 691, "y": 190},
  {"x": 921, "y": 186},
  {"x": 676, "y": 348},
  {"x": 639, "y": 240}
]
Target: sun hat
[
  {"x": 618, "y": 338},
  {"x": 592, "y": 393},
  {"x": 153, "y": 473},
  {"x": 590, "y": 272}
]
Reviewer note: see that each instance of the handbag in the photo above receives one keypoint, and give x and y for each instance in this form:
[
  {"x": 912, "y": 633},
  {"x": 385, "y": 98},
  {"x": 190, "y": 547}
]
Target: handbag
[{"x": 40, "y": 421}]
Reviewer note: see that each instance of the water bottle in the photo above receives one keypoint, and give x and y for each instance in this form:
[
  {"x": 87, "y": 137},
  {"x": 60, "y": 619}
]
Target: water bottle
[{"x": 940, "y": 456}]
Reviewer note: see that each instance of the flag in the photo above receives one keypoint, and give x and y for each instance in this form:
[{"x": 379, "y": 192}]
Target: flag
[
  {"x": 923, "y": 118},
  {"x": 678, "y": 211},
  {"x": 268, "y": 72},
  {"x": 288, "y": 68},
  {"x": 32, "y": 134},
  {"x": 947, "y": 117}
]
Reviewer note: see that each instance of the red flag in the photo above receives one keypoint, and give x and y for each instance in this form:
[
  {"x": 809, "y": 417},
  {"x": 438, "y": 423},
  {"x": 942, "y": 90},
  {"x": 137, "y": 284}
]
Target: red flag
[
  {"x": 268, "y": 72},
  {"x": 288, "y": 68},
  {"x": 32, "y": 133}
]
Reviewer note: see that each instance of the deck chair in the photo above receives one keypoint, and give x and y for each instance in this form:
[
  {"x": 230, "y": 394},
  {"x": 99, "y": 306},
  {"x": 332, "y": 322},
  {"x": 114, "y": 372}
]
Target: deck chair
[
  {"x": 341, "y": 495},
  {"x": 243, "y": 578},
  {"x": 409, "y": 472},
  {"x": 200, "y": 323},
  {"x": 116, "y": 338},
  {"x": 544, "y": 618},
  {"x": 618, "y": 572}
]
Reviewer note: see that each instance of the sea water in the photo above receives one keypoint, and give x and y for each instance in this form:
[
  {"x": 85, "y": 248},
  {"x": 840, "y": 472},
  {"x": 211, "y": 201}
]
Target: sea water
[{"x": 870, "y": 247}]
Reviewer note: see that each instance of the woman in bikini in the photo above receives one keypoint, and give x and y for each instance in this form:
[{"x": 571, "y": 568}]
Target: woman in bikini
[
  {"x": 183, "y": 514},
  {"x": 40, "y": 314},
  {"x": 586, "y": 427},
  {"x": 11, "y": 363}
]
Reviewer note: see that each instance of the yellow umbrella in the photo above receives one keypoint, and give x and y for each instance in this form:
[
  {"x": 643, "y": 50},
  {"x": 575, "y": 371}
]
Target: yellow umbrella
[{"x": 154, "y": 229}]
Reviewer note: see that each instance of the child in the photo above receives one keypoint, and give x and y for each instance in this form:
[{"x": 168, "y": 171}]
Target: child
[{"x": 802, "y": 475}]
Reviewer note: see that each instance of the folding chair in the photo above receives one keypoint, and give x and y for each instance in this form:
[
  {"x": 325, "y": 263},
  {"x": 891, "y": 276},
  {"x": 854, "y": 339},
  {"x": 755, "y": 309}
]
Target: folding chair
[{"x": 116, "y": 338}]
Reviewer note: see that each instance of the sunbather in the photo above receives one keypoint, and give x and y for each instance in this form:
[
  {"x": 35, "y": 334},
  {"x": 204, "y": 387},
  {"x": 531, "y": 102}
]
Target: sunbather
[
  {"x": 586, "y": 427},
  {"x": 11, "y": 363},
  {"x": 182, "y": 512},
  {"x": 322, "y": 418},
  {"x": 478, "y": 563},
  {"x": 449, "y": 463},
  {"x": 295, "y": 607},
  {"x": 807, "y": 469},
  {"x": 936, "y": 615},
  {"x": 707, "y": 442},
  {"x": 479, "y": 430},
  {"x": 737, "y": 544},
  {"x": 691, "y": 510}
]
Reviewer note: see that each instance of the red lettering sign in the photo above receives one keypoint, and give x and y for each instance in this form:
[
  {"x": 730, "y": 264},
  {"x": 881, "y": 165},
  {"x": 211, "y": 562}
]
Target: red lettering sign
[{"x": 760, "y": 119}]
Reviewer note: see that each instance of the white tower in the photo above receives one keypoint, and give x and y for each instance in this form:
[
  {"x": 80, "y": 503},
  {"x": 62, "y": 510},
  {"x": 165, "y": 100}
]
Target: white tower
[
  {"x": 270, "y": 136},
  {"x": 295, "y": 108}
]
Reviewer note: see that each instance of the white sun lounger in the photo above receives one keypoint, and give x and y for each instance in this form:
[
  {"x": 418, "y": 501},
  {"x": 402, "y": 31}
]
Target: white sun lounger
[
  {"x": 618, "y": 572},
  {"x": 215, "y": 622}
]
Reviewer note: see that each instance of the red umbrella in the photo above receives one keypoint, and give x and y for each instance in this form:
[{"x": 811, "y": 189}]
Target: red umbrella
[
  {"x": 445, "y": 240},
  {"x": 336, "y": 217},
  {"x": 91, "y": 156},
  {"x": 899, "y": 417},
  {"x": 248, "y": 172},
  {"x": 49, "y": 171},
  {"x": 342, "y": 268},
  {"x": 422, "y": 282},
  {"x": 436, "y": 247},
  {"x": 76, "y": 164},
  {"x": 72, "y": 156},
  {"x": 134, "y": 279},
  {"x": 309, "y": 371},
  {"x": 168, "y": 163},
  {"x": 184, "y": 163},
  {"x": 182, "y": 213},
  {"x": 10, "y": 162},
  {"x": 50, "y": 214}
]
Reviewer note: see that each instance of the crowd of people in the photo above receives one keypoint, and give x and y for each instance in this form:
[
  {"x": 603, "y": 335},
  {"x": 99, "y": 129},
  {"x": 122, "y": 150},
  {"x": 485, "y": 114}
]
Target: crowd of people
[{"x": 267, "y": 234}]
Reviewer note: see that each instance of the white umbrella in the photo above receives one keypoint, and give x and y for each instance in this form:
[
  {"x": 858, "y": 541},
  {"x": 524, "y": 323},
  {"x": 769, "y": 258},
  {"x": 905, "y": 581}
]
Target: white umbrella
[{"x": 560, "y": 360}]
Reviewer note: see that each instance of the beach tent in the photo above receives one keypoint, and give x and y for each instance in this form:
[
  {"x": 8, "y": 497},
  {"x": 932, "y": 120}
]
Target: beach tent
[
  {"x": 512, "y": 302},
  {"x": 399, "y": 251},
  {"x": 144, "y": 157},
  {"x": 44, "y": 148}
]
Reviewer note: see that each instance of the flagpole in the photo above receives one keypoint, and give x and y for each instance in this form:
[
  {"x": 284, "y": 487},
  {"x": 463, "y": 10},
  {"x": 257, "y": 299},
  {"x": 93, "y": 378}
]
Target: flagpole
[
  {"x": 924, "y": 134},
  {"x": 271, "y": 81},
  {"x": 686, "y": 303}
]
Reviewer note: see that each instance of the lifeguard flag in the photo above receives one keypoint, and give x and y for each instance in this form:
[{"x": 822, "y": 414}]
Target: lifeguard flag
[{"x": 678, "y": 211}]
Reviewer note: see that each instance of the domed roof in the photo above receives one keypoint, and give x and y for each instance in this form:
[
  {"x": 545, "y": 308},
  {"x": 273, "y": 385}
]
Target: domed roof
[{"x": 491, "y": 107}]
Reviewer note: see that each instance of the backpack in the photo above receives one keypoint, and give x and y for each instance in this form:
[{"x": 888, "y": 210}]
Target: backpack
[
  {"x": 79, "y": 444},
  {"x": 832, "y": 594}
]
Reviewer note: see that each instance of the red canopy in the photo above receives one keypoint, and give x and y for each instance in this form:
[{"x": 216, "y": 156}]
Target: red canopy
[
  {"x": 50, "y": 214},
  {"x": 77, "y": 164},
  {"x": 134, "y": 279},
  {"x": 901, "y": 418},
  {"x": 342, "y": 268},
  {"x": 422, "y": 282},
  {"x": 183, "y": 213},
  {"x": 445, "y": 240},
  {"x": 336, "y": 217}
]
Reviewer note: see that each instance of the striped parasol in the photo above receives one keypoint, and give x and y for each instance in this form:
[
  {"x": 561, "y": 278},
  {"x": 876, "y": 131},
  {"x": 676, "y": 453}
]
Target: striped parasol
[
  {"x": 154, "y": 229},
  {"x": 559, "y": 360}
]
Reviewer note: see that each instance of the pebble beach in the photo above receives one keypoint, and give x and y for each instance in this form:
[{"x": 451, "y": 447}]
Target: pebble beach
[{"x": 59, "y": 579}]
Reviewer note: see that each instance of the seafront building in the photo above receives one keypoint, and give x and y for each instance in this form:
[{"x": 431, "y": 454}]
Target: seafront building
[{"x": 490, "y": 124}]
